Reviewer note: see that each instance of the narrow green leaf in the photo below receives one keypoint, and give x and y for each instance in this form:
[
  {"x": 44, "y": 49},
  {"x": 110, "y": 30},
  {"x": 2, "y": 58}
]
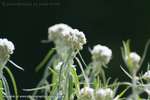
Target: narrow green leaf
[
  {"x": 1, "y": 90},
  {"x": 16, "y": 65},
  {"x": 39, "y": 88},
  {"x": 126, "y": 72},
  {"x": 81, "y": 67},
  {"x": 76, "y": 80},
  {"x": 121, "y": 94},
  {"x": 82, "y": 60},
  {"x": 13, "y": 81},
  {"x": 6, "y": 88},
  {"x": 45, "y": 59},
  {"x": 70, "y": 88}
]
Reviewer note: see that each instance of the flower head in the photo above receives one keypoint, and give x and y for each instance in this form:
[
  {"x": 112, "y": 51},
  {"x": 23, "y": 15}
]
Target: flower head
[
  {"x": 101, "y": 54},
  {"x": 66, "y": 38},
  {"x": 58, "y": 31},
  {"x": 6, "y": 48},
  {"x": 72, "y": 38}
]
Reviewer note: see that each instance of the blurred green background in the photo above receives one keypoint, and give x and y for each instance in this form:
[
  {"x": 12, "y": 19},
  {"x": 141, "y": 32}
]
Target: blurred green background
[{"x": 107, "y": 22}]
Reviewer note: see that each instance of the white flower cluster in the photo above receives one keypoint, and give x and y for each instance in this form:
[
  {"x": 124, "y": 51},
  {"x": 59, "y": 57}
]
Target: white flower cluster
[
  {"x": 104, "y": 94},
  {"x": 101, "y": 54},
  {"x": 146, "y": 75},
  {"x": 62, "y": 34},
  {"x": 66, "y": 39},
  {"x": 6, "y": 48}
]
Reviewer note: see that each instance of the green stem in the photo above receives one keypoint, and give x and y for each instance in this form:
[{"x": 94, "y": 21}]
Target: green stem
[
  {"x": 135, "y": 97},
  {"x": 61, "y": 69},
  {"x": 81, "y": 67},
  {"x": 1, "y": 90}
]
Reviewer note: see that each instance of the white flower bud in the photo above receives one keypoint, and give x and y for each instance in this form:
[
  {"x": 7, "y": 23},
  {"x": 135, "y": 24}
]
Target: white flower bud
[
  {"x": 135, "y": 58},
  {"x": 132, "y": 61},
  {"x": 109, "y": 93},
  {"x": 86, "y": 92},
  {"x": 146, "y": 76},
  {"x": 6, "y": 48},
  {"x": 104, "y": 94},
  {"x": 101, "y": 54},
  {"x": 100, "y": 94}
]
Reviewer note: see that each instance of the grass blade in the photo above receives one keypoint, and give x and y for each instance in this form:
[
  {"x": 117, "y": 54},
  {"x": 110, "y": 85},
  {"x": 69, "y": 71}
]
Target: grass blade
[
  {"x": 13, "y": 81},
  {"x": 1, "y": 90},
  {"x": 6, "y": 88},
  {"x": 81, "y": 67},
  {"x": 45, "y": 59},
  {"x": 126, "y": 72},
  {"x": 16, "y": 65},
  {"x": 39, "y": 88}
]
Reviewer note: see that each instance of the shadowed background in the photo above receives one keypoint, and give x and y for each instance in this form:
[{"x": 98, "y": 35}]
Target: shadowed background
[{"x": 107, "y": 22}]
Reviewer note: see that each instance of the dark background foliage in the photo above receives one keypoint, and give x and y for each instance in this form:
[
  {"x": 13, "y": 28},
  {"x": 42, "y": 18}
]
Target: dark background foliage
[{"x": 107, "y": 22}]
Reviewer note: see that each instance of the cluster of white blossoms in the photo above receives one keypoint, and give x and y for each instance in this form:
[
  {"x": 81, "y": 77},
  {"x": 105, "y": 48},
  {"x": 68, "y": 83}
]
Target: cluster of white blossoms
[
  {"x": 101, "y": 54},
  {"x": 64, "y": 36},
  {"x": 6, "y": 48},
  {"x": 104, "y": 94}
]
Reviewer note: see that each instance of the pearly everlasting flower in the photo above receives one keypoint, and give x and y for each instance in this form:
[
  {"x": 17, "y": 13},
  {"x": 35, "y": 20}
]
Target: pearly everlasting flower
[
  {"x": 86, "y": 93},
  {"x": 101, "y": 54},
  {"x": 6, "y": 48},
  {"x": 104, "y": 94},
  {"x": 146, "y": 76},
  {"x": 66, "y": 38},
  {"x": 59, "y": 31}
]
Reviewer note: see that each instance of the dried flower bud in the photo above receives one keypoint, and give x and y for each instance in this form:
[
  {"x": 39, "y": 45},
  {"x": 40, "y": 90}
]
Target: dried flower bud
[
  {"x": 104, "y": 94},
  {"x": 101, "y": 54},
  {"x": 6, "y": 48}
]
